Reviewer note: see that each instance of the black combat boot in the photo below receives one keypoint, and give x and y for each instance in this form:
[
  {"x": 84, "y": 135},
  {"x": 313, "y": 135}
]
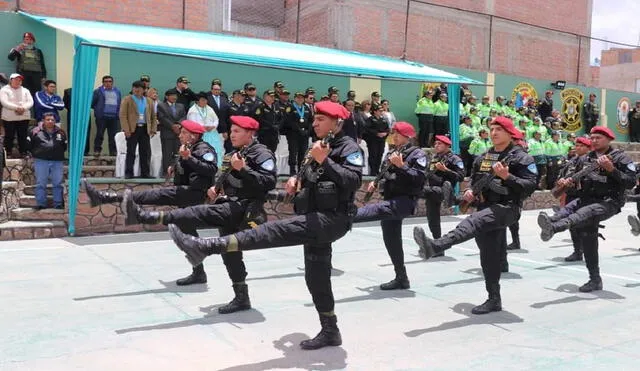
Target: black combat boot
[
  {"x": 196, "y": 248},
  {"x": 198, "y": 275},
  {"x": 515, "y": 244},
  {"x": 433, "y": 248},
  {"x": 240, "y": 301},
  {"x": 98, "y": 198},
  {"x": 594, "y": 284},
  {"x": 329, "y": 335},
  {"x": 575, "y": 256},
  {"x": 134, "y": 214},
  {"x": 549, "y": 227},
  {"x": 401, "y": 282},
  {"x": 493, "y": 304},
  {"x": 634, "y": 222}
]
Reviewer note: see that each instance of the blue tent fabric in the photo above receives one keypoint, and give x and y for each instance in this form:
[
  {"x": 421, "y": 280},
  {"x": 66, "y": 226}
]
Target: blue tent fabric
[
  {"x": 222, "y": 48},
  {"x": 85, "y": 64}
]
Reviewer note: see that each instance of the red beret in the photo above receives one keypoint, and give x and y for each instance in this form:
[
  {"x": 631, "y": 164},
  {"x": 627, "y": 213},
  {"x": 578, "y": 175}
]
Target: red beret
[
  {"x": 193, "y": 126},
  {"x": 518, "y": 135},
  {"x": 443, "y": 139},
  {"x": 604, "y": 131},
  {"x": 245, "y": 122},
  {"x": 29, "y": 34},
  {"x": 584, "y": 141},
  {"x": 331, "y": 109},
  {"x": 507, "y": 125},
  {"x": 405, "y": 129}
]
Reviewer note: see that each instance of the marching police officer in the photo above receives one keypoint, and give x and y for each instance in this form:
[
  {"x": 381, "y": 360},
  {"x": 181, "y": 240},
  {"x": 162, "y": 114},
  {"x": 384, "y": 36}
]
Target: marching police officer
[
  {"x": 325, "y": 208},
  {"x": 500, "y": 200},
  {"x": 298, "y": 120},
  {"x": 400, "y": 186},
  {"x": 269, "y": 117},
  {"x": 445, "y": 170},
  {"x": 600, "y": 196},
  {"x": 194, "y": 172},
  {"x": 239, "y": 195}
]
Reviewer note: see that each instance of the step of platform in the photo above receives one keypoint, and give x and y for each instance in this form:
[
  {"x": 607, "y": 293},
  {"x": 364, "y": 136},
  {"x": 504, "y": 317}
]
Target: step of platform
[
  {"x": 99, "y": 161},
  {"x": 95, "y": 171},
  {"x": 29, "y": 201},
  {"x": 11, "y": 184},
  {"x": 24, "y": 230},
  {"x": 31, "y": 189},
  {"x": 28, "y": 214}
]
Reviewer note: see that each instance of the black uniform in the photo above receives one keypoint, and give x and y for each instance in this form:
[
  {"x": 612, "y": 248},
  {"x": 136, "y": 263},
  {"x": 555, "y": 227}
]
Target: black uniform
[
  {"x": 298, "y": 121},
  {"x": 590, "y": 116},
  {"x": 375, "y": 144},
  {"x": 634, "y": 125},
  {"x": 243, "y": 207},
  {"x": 193, "y": 177},
  {"x": 499, "y": 206},
  {"x": 600, "y": 196},
  {"x": 572, "y": 194},
  {"x": 325, "y": 208},
  {"x": 270, "y": 121},
  {"x": 400, "y": 188},
  {"x": 434, "y": 192},
  {"x": 185, "y": 97}
]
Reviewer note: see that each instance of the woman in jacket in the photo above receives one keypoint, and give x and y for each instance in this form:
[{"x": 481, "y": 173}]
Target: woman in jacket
[{"x": 203, "y": 114}]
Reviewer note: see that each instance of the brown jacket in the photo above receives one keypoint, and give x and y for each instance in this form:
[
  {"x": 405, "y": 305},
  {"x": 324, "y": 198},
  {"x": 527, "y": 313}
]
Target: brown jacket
[{"x": 129, "y": 116}]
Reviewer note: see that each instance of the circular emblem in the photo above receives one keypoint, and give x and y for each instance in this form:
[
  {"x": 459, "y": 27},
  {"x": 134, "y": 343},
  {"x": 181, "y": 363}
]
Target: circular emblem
[
  {"x": 523, "y": 93},
  {"x": 622, "y": 114},
  {"x": 571, "y": 105}
]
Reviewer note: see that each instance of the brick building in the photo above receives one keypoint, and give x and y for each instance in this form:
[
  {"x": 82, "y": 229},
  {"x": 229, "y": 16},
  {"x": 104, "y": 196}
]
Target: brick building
[
  {"x": 470, "y": 34},
  {"x": 620, "y": 69}
]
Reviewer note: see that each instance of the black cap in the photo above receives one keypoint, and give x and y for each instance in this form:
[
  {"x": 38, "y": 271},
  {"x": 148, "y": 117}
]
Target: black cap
[
  {"x": 249, "y": 86},
  {"x": 299, "y": 94},
  {"x": 270, "y": 92},
  {"x": 182, "y": 79},
  {"x": 351, "y": 93},
  {"x": 285, "y": 92},
  {"x": 216, "y": 82},
  {"x": 172, "y": 91},
  {"x": 324, "y": 97},
  {"x": 238, "y": 91},
  {"x": 137, "y": 84},
  {"x": 332, "y": 89},
  {"x": 146, "y": 78},
  {"x": 375, "y": 106},
  {"x": 310, "y": 90},
  {"x": 375, "y": 94},
  {"x": 278, "y": 84}
]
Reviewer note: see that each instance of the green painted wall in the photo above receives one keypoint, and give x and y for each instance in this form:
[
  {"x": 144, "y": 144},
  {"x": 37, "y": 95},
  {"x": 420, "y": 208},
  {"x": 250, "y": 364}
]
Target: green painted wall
[
  {"x": 12, "y": 27},
  {"x": 127, "y": 66}
]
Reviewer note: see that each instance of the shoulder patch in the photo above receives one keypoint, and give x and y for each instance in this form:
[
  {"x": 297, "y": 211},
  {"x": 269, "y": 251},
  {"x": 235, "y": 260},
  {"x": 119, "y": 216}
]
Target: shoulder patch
[
  {"x": 355, "y": 159},
  {"x": 257, "y": 111},
  {"x": 268, "y": 165},
  {"x": 631, "y": 166},
  {"x": 208, "y": 157},
  {"x": 532, "y": 168},
  {"x": 460, "y": 164},
  {"x": 288, "y": 110},
  {"x": 422, "y": 161}
]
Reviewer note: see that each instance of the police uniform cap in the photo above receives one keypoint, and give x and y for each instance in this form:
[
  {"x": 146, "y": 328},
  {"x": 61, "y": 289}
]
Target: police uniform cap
[
  {"x": 486, "y": 97},
  {"x": 324, "y": 97},
  {"x": 332, "y": 89},
  {"x": 278, "y": 84},
  {"x": 500, "y": 97},
  {"x": 444, "y": 139},
  {"x": 172, "y": 91},
  {"x": 375, "y": 106},
  {"x": 331, "y": 109},
  {"x": 351, "y": 93},
  {"x": 249, "y": 86},
  {"x": 555, "y": 132},
  {"x": 183, "y": 79},
  {"x": 216, "y": 82},
  {"x": 604, "y": 131},
  {"x": 443, "y": 95},
  {"x": 466, "y": 117},
  {"x": 310, "y": 90},
  {"x": 523, "y": 120},
  {"x": 507, "y": 125},
  {"x": 285, "y": 92},
  {"x": 270, "y": 92},
  {"x": 146, "y": 78},
  {"x": 238, "y": 91},
  {"x": 245, "y": 122},
  {"x": 192, "y": 126},
  {"x": 472, "y": 97},
  {"x": 584, "y": 141},
  {"x": 375, "y": 94},
  {"x": 299, "y": 94},
  {"x": 404, "y": 129}
]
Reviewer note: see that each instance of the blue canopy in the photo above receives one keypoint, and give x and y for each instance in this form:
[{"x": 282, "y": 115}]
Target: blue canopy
[{"x": 223, "y": 48}]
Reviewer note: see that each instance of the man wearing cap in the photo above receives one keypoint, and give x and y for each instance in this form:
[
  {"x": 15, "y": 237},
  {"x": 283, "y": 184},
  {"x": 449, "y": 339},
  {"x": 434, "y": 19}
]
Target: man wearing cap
[
  {"x": 238, "y": 203},
  {"x": 139, "y": 123},
  {"x": 170, "y": 114},
  {"x": 600, "y": 195},
  {"x": 634, "y": 123},
  {"x": 16, "y": 103},
  {"x": 223, "y": 94},
  {"x": 400, "y": 187},
  {"x": 545, "y": 106},
  {"x": 424, "y": 111},
  {"x": 283, "y": 103},
  {"x": 499, "y": 206},
  {"x": 270, "y": 119},
  {"x": 590, "y": 113},
  {"x": 193, "y": 174},
  {"x": 441, "y": 116},
  {"x": 554, "y": 152},
  {"x": 29, "y": 63},
  {"x": 480, "y": 144},
  {"x": 466, "y": 134},
  {"x": 376, "y": 97},
  {"x": 325, "y": 208},
  {"x": 105, "y": 103},
  {"x": 185, "y": 94},
  {"x": 375, "y": 131},
  {"x": 298, "y": 120},
  {"x": 485, "y": 107},
  {"x": 445, "y": 170},
  {"x": 146, "y": 80},
  {"x": 351, "y": 95}
]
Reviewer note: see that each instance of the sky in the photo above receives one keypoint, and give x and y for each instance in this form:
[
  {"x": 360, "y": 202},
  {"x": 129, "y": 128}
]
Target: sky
[{"x": 614, "y": 20}]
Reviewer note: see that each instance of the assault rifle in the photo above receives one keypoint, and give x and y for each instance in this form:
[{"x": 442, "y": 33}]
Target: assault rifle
[
  {"x": 558, "y": 191},
  {"x": 484, "y": 183},
  {"x": 177, "y": 168},
  {"x": 222, "y": 178},
  {"x": 306, "y": 165},
  {"x": 386, "y": 166}
]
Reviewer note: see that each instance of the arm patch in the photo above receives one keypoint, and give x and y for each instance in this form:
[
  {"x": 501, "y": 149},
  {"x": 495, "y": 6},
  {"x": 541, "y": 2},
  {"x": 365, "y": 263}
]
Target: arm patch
[
  {"x": 268, "y": 165},
  {"x": 532, "y": 168},
  {"x": 422, "y": 161},
  {"x": 355, "y": 159},
  {"x": 209, "y": 157}
]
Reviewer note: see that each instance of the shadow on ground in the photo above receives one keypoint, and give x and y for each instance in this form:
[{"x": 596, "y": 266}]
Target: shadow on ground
[
  {"x": 480, "y": 278},
  {"x": 169, "y": 287},
  {"x": 569, "y": 288}
]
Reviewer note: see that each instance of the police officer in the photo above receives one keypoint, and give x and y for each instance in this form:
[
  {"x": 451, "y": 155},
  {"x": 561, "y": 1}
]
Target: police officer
[
  {"x": 375, "y": 131},
  {"x": 441, "y": 116},
  {"x": 194, "y": 172},
  {"x": 236, "y": 107},
  {"x": 185, "y": 94},
  {"x": 600, "y": 196},
  {"x": 582, "y": 147},
  {"x": 424, "y": 111},
  {"x": 239, "y": 194},
  {"x": 590, "y": 113},
  {"x": 500, "y": 204},
  {"x": 325, "y": 208},
  {"x": 251, "y": 99},
  {"x": 268, "y": 115},
  {"x": 298, "y": 120},
  {"x": 553, "y": 151},
  {"x": 445, "y": 170},
  {"x": 400, "y": 186}
]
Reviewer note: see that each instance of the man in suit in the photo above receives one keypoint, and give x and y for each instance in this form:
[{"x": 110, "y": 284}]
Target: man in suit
[
  {"x": 220, "y": 106},
  {"x": 139, "y": 123},
  {"x": 170, "y": 114}
]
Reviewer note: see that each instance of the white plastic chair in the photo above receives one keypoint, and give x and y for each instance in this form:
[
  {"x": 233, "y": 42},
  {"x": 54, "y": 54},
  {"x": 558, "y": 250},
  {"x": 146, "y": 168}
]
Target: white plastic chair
[
  {"x": 365, "y": 153},
  {"x": 155, "y": 165},
  {"x": 282, "y": 156},
  {"x": 121, "y": 149}
]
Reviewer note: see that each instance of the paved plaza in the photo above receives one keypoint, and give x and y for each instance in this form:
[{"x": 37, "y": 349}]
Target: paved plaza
[{"x": 109, "y": 303}]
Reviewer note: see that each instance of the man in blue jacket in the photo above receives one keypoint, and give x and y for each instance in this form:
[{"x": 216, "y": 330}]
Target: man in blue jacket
[
  {"x": 46, "y": 101},
  {"x": 106, "y": 107}
]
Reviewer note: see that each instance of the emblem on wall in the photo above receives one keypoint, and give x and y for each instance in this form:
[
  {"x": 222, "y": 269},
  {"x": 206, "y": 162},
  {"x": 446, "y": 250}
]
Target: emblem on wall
[
  {"x": 523, "y": 93},
  {"x": 571, "y": 105},
  {"x": 622, "y": 115}
]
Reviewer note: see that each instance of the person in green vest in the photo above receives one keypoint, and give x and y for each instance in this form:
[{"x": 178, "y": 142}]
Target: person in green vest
[
  {"x": 441, "y": 116},
  {"x": 485, "y": 107},
  {"x": 522, "y": 126},
  {"x": 471, "y": 102},
  {"x": 424, "y": 110},
  {"x": 521, "y": 112},
  {"x": 499, "y": 104},
  {"x": 480, "y": 144},
  {"x": 531, "y": 116},
  {"x": 536, "y": 150},
  {"x": 553, "y": 150},
  {"x": 475, "y": 119},
  {"x": 568, "y": 144},
  {"x": 492, "y": 115},
  {"x": 537, "y": 127},
  {"x": 510, "y": 109},
  {"x": 466, "y": 136}
]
